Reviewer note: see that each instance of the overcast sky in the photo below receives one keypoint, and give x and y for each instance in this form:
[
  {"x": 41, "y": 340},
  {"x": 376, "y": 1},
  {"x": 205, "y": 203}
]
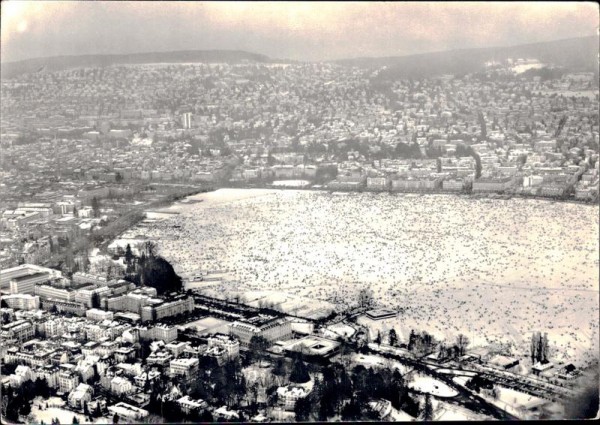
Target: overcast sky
[{"x": 294, "y": 30}]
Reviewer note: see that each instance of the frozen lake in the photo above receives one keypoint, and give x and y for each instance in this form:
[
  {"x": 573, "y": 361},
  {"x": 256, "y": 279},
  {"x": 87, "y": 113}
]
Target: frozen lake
[{"x": 494, "y": 269}]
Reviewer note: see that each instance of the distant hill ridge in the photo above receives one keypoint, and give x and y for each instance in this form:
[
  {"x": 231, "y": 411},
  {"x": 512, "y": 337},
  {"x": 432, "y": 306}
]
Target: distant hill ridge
[
  {"x": 57, "y": 63},
  {"x": 577, "y": 54}
]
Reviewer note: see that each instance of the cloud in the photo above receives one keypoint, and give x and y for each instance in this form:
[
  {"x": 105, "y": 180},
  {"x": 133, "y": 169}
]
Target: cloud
[{"x": 297, "y": 30}]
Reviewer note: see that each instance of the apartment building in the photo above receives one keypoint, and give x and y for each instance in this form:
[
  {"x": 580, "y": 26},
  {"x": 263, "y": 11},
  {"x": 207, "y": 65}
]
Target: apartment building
[
  {"x": 99, "y": 315},
  {"x": 6, "y": 275},
  {"x": 67, "y": 381},
  {"x": 85, "y": 296},
  {"x": 128, "y": 412},
  {"x": 22, "y": 301},
  {"x": 492, "y": 184},
  {"x": 161, "y": 332},
  {"x": 229, "y": 344},
  {"x": 32, "y": 353},
  {"x": 47, "y": 291},
  {"x": 269, "y": 327},
  {"x": 186, "y": 368},
  {"x": 452, "y": 185},
  {"x": 188, "y": 404},
  {"x": 288, "y": 396},
  {"x": 26, "y": 284},
  {"x": 80, "y": 278},
  {"x": 167, "y": 309},
  {"x": 19, "y": 331},
  {"x": 120, "y": 386},
  {"x": 49, "y": 373}
]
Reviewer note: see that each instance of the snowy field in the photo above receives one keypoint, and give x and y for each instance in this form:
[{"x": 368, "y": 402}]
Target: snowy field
[
  {"x": 64, "y": 416},
  {"x": 444, "y": 411},
  {"x": 429, "y": 385},
  {"x": 514, "y": 402},
  {"x": 209, "y": 325},
  {"x": 496, "y": 270},
  {"x": 461, "y": 380},
  {"x": 375, "y": 361}
]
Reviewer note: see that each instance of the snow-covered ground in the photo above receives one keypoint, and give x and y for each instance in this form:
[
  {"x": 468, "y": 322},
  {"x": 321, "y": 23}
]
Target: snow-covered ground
[
  {"x": 456, "y": 372},
  {"x": 513, "y": 401},
  {"x": 64, "y": 416},
  {"x": 400, "y": 416},
  {"x": 461, "y": 380},
  {"x": 429, "y": 385},
  {"x": 373, "y": 360},
  {"x": 341, "y": 329},
  {"x": 209, "y": 325},
  {"x": 444, "y": 411}
]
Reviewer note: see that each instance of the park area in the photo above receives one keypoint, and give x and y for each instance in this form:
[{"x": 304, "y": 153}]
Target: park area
[
  {"x": 429, "y": 385},
  {"x": 376, "y": 361}
]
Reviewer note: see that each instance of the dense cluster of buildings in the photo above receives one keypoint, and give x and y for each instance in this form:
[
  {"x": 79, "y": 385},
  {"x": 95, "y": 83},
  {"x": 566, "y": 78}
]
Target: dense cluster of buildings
[
  {"x": 79, "y": 146},
  {"x": 106, "y": 133},
  {"x": 268, "y": 327},
  {"x": 88, "y": 352},
  {"x": 32, "y": 287}
]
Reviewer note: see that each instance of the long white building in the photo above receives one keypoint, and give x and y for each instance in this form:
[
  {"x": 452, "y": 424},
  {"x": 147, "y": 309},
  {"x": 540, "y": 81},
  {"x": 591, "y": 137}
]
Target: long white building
[
  {"x": 22, "y": 301},
  {"x": 269, "y": 327},
  {"x": 6, "y": 275}
]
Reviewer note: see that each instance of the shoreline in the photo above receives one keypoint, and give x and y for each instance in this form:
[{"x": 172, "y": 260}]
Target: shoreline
[{"x": 493, "y": 195}]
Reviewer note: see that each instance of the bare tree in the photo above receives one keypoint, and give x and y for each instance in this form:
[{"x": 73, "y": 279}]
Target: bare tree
[
  {"x": 462, "y": 342},
  {"x": 427, "y": 410},
  {"x": 365, "y": 297},
  {"x": 150, "y": 248},
  {"x": 393, "y": 337},
  {"x": 534, "y": 347}
]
